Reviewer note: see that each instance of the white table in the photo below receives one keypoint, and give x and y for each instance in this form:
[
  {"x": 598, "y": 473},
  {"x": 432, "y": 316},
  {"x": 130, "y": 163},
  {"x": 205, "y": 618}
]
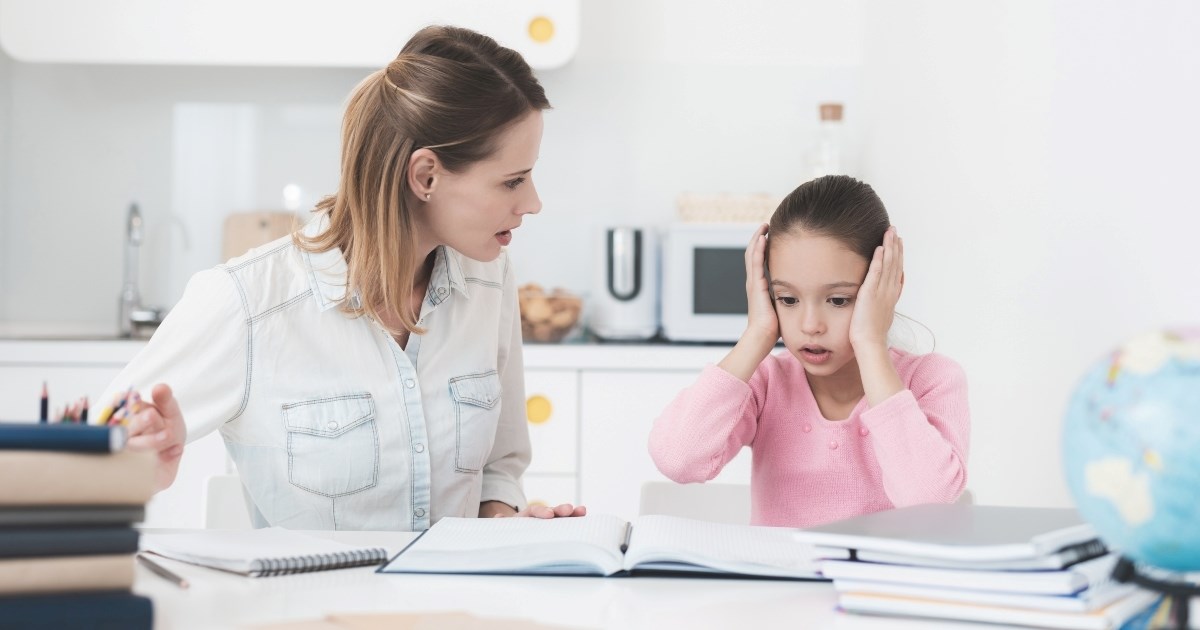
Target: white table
[{"x": 223, "y": 600}]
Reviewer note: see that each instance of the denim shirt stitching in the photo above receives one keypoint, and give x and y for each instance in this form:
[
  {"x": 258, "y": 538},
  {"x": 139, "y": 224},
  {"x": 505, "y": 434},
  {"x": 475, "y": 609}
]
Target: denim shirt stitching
[
  {"x": 283, "y": 305},
  {"x": 486, "y": 283},
  {"x": 241, "y": 291}
]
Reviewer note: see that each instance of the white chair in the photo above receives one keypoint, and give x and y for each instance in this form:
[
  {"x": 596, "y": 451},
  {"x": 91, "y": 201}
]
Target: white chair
[
  {"x": 225, "y": 503},
  {"x": 714, "y": 502}
]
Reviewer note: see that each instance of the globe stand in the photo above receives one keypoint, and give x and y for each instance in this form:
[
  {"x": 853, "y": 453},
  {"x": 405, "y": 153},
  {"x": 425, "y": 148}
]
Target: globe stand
[{"x": 1178, "y": 593}]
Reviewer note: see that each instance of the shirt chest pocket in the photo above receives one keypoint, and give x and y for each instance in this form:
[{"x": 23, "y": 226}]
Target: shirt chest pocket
[
  {"x": 476, "y": 414},
  {"x": 332, "y": 444}
]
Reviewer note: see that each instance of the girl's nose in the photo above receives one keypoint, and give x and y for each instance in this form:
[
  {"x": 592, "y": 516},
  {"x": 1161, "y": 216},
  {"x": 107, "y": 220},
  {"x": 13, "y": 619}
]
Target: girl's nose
[{"x": 533, "y": 204}]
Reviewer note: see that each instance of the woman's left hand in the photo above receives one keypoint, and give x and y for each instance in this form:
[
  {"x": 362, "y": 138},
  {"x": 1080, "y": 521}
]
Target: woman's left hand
[
  {"x": 875, "y": 306},
  {"x": 496, "y": 509}
]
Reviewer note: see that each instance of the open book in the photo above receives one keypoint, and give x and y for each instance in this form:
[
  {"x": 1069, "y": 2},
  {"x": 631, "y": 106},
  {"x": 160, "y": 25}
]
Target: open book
[
  {"x": 606, "y": 545},
  {"x": 260, "y": 552}
]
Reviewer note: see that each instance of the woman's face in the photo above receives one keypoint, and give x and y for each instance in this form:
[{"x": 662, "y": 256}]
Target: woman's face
[{"x": 475, "y": 211}]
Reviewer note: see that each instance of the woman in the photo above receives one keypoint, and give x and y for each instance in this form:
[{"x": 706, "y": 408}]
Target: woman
[{"x": 366, "y": 373}]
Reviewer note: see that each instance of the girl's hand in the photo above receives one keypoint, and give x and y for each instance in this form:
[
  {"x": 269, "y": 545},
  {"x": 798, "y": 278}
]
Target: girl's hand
[
  {"x": 158, "y": 426},
  {"x": 496, "y": 509},
  {"x": 875, "y": 306},
  {"x": 763, "y": 326}
]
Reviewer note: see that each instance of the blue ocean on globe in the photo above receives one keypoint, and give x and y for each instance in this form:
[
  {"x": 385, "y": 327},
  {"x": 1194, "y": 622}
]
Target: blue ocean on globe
[{"x": 1131, "y": 449}]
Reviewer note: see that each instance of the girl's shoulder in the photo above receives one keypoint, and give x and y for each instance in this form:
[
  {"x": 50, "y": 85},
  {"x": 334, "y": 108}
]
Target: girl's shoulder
[{"x": 928, "y": 368}]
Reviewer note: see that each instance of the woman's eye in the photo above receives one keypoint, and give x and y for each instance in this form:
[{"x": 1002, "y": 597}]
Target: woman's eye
[
  {"x": 840, "y": 302},
  {"x": 786, "y": 300},
  {"x": 513, "y": 183}
]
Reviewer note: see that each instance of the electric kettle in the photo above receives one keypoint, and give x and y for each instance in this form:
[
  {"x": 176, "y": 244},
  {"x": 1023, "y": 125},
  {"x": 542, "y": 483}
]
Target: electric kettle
[{"x": 625, "y": 299}]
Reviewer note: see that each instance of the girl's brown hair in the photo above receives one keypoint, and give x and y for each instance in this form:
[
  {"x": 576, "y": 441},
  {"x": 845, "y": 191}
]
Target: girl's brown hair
[
  {"x": 837, "y": 206},
  {"x": 450, "y": 90}
]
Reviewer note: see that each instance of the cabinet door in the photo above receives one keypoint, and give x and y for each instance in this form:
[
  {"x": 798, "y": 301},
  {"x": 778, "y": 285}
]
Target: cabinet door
[
  {"x": 617, "y": 409},
  {"x": 551, "y": 490},
  {"x": 552, "y": 409}
]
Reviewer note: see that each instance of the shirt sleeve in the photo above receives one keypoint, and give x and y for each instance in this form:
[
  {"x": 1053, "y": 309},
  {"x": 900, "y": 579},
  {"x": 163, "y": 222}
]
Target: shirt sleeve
[
  {"x": 201, "y": 350},
  {"x": 511, "y": 451},
  {"x": 921, "y": 435},
  {"x": 706, "y": 425}
]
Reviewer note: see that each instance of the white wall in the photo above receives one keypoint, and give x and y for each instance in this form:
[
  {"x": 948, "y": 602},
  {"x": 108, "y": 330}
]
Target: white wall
[
  {"x": 1035, "y": 158},
  {"x": 1034, "y": 155}
]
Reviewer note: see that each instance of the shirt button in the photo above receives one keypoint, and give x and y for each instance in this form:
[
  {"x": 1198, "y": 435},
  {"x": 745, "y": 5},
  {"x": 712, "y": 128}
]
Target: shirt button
[
  {"x": 420, "y": 448},
  {"x": 441, "y": 290},
  {"x": 808, "y": 428},
  {"x": 409, "y": 383},
  {"x": 833, "y": 446},
  {"x": 331, "y": 425},
  {"x": 863, "y": 431},
  {"x": 419, "y": 511}
]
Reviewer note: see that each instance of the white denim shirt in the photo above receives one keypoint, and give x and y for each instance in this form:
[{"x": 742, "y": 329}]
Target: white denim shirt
[{"x": 332, "y": 425}]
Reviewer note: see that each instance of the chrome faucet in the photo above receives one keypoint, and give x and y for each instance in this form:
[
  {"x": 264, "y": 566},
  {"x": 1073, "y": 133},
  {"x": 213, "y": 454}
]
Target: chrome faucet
[{"x": 134, "y": 317}]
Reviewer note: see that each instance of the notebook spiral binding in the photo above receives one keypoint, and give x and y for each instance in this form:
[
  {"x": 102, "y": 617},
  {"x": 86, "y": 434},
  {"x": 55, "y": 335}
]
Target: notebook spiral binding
[{"x": 320, "y": 562}]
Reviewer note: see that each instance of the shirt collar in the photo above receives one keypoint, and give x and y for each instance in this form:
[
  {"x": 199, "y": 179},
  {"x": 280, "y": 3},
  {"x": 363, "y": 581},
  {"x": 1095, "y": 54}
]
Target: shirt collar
[{"x": 327, "y": 272}]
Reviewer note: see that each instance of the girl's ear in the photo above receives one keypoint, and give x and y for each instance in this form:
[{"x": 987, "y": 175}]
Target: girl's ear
[{"x": 423, "y": 167}]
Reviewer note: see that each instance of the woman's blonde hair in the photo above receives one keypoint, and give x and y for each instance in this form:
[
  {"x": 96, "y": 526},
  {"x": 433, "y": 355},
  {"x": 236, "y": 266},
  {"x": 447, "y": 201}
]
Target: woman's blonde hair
[{"x": 450, "y": 90}]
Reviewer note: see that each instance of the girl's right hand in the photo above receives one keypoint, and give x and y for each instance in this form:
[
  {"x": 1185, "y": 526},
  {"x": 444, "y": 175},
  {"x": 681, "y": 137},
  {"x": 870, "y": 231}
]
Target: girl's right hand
[
  {"x": 762, "y": 329},
  {"x": 159, "y": 427}
]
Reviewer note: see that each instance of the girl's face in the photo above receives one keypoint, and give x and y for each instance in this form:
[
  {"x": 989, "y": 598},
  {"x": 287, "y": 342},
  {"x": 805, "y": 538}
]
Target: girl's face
[
  {"x": 814, "y": 282},
  {"x": 475, "y": 211}
]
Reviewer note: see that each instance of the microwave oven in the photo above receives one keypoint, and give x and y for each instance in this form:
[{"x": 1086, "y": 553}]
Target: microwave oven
[{"x": 704, "y": 281}]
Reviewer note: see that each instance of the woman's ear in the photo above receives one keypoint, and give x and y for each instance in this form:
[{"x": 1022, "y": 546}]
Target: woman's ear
[{"x": 423, "y": 167}]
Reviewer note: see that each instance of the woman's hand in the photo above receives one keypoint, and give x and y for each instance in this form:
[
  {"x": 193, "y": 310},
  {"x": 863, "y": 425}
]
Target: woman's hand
[
  {"x": 496, "y": 509},
  {"x": 875, "y": 306},
  {"x": 158, "y": 427}
]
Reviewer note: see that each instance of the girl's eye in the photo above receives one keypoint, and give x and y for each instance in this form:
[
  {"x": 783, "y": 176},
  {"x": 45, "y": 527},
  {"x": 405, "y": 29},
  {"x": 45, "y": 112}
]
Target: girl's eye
[
  {"x": 513, "y": 183},
  {"x": 840, "y": 302},
  {"x": 786, "y": 300}
]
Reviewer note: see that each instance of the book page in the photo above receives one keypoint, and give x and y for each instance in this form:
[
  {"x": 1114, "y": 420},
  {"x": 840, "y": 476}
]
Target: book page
[
  {"x": 586, "y": 544},
  {"x": 244, "y": 551},
  {"x": 667, "y": 542}
]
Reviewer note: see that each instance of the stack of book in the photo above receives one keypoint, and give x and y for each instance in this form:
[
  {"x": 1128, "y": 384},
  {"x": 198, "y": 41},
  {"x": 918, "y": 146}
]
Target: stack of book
[
  {"x": 1041, "y": 567},
  {"x": 69, "y": 496}
]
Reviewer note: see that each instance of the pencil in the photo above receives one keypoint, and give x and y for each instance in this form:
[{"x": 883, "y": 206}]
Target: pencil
[
  {"x": 83, "y": 414},
  {"x": 162, "y": 571},
  {"x": 45, "y": 415}
]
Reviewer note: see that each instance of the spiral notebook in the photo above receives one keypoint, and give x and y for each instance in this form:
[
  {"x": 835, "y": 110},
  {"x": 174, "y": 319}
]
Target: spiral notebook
[{"x": 261, "y": 552}]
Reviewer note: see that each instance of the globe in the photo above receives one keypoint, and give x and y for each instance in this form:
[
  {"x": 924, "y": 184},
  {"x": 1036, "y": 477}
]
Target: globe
[{"x": 1131, "y": 449}]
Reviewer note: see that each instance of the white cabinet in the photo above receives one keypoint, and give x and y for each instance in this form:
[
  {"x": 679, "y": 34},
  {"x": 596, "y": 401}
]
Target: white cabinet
[{"x": 315, "y": 33}]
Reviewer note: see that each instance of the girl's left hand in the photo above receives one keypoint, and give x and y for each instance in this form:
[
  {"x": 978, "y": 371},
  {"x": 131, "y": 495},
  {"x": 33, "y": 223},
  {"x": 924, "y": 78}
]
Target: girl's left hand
[{"x": 875, "y": 306}]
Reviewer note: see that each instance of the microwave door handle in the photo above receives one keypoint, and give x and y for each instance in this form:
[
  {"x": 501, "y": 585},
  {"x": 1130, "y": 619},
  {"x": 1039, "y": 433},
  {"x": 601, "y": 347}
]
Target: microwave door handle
[{"x": 624, "y": 263}]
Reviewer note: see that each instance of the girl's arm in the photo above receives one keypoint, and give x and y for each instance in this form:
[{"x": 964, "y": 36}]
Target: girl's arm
[
  {"x": 706, "y": 425},
  {"x": 921, "y": 435}
]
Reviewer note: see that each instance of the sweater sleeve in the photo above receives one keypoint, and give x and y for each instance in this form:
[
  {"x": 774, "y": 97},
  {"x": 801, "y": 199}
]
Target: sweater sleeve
[
  {"x": 921, "y": 435},
  {"x": 706, "y": 425}
]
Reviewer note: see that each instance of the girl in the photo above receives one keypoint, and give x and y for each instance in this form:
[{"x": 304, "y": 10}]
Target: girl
[
  {"x": 366, "y": 373},
  {"x": 840, "y": 424}
]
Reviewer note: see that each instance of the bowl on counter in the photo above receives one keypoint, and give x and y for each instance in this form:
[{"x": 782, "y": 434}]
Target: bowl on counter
[{"x": 548, "y": 316}]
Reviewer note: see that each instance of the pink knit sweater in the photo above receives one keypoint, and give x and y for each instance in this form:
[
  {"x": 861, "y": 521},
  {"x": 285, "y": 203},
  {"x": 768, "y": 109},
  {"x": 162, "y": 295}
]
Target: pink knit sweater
[{"x": 909, "y": 449}]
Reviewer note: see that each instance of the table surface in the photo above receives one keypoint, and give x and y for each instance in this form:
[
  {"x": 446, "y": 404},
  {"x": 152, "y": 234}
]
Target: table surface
[{"x": 223, "y": 600}]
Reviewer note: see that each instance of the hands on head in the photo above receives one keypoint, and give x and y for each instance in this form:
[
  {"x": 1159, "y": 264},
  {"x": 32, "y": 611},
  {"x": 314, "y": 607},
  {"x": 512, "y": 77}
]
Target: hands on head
[
  {"x": 875, "y": 305},
  {"x": 158, "y": 427}
]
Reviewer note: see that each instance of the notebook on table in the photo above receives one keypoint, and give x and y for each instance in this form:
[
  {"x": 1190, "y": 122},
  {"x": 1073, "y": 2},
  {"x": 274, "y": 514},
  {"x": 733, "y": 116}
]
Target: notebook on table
[
  {"x": 957, "y": 533},
  {"x": 602, "y": 545},
  {"x": 261, "y": 552}
]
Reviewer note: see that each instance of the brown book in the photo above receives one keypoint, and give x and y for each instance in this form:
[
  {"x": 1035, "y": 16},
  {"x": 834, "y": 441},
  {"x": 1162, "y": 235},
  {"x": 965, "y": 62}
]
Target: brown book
[
  {"x": 27, "y": 576},
  {"x": 55, "y": 478}
]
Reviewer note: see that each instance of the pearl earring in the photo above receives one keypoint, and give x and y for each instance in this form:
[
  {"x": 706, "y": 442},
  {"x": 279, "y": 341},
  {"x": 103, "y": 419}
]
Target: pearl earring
[{"x": 427, "y": 195}]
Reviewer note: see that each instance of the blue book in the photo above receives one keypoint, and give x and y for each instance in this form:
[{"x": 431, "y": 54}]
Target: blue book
[
  {"x": 78, "y": 438},
  {"x": 80, "y": 611},
  {"x": 67, "y": 541}
]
